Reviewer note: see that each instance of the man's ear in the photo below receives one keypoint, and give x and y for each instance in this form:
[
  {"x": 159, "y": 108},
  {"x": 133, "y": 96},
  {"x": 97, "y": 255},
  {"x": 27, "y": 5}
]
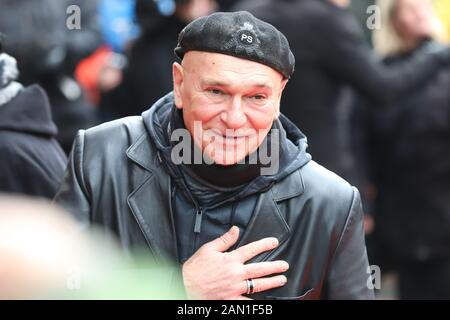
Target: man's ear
[
  {"x": 178, "y": 79},
  {"x": 283, "y": 85}
]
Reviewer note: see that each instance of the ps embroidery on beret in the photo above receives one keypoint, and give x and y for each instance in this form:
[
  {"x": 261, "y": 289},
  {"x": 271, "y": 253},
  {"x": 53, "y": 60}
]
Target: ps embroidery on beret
[
  {"x": 245, "y": 41},
  {"x": 246, "y": 34}
]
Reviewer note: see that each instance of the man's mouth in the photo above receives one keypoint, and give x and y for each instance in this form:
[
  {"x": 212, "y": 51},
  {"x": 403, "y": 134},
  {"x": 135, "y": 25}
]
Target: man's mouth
[
  {"x": 236, "y": 136},
  {"x": 232, "y": 140}
]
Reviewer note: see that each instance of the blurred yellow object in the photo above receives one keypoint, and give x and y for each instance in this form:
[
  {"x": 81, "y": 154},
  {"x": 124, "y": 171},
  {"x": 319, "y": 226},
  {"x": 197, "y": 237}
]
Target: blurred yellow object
[{"x": 443, "y": 11}]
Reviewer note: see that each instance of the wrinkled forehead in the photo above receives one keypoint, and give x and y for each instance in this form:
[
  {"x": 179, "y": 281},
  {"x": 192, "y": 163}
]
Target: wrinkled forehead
[{"x": 217, "y": 66}]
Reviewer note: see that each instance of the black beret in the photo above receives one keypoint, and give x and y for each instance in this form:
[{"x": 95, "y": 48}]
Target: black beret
[{"x": 238, "y": 34}]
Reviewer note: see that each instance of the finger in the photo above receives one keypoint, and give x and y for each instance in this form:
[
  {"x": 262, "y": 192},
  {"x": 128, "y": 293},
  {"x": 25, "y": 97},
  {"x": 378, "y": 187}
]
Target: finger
[
  {"x": 262, "y": 269},
  {"x": 251, "y": 250},
  {"x": 264, "y": 284},
  {"x": 225, "y": 241},
  {"x": 241, "y": 298}
]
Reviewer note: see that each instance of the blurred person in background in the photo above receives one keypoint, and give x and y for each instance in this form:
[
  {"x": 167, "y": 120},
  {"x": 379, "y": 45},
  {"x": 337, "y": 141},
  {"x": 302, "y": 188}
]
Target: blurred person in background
[
  {"x": 48, "y": 52},
  {"x": 31, "y": 160},
  {"x": 147, "y": 76},
  {"x": 44, "y": 254},
  {"x": 102, "y": 70},
  {"x": 117, "y": 20},
  {"x": 359, "y": 10},
  {"x": 405, "y": 147},
  {"x": 332, "y": 53}
]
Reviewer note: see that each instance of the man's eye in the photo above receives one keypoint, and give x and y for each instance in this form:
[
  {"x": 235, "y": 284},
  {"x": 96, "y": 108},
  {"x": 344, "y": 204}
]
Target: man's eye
[
  {"x": 259, "y": 97},
  {"x": 215, "y": 91}
]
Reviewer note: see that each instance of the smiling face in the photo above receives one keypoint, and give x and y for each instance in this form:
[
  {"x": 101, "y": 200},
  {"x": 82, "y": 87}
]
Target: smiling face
[{"x": 229, "y": 104}]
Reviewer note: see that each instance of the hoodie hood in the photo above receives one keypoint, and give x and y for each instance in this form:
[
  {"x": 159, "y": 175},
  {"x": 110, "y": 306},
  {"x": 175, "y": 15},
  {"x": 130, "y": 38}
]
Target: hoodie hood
[
  {"x": 28, "y": 112},
  {"x": 293, "y": 145}
]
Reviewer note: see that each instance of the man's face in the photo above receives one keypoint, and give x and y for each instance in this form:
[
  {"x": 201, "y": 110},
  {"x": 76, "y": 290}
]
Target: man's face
[
  {"x": 229, "y": 104},
  {"x": 414, "y": 19}
]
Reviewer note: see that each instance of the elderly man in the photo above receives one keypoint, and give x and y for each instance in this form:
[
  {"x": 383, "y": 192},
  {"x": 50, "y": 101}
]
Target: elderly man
[{"x": 296, "y": 228}]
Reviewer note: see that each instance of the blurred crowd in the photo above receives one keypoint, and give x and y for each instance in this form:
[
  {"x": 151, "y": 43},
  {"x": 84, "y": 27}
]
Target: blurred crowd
[{"x": 373, "y": 100}]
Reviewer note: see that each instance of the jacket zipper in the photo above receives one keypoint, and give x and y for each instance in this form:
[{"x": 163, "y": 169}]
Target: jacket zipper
[
  {"x": 197, "y": 227},
  {"x": 198, "y": 220}
]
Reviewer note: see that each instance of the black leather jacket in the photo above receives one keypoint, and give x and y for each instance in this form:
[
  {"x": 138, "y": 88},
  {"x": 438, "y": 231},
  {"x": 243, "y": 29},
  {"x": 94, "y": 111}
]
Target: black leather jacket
[{"x": 115, "y": 178}]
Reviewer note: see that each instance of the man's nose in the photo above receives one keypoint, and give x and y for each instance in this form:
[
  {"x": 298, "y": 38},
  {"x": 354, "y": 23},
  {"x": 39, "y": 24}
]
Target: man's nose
[{"x": 234, "y": 117}]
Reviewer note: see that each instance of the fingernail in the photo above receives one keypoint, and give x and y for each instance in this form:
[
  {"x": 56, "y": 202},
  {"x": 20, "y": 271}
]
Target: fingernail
[
  {"x": 285, "y": 265},
  {"x": 283, "y": 281},
  {"x": 274, "y": 242}
]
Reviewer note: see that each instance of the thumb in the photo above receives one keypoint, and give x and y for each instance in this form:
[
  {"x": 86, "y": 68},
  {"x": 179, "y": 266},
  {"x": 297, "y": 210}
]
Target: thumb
[{"x": 225, "y": 241}]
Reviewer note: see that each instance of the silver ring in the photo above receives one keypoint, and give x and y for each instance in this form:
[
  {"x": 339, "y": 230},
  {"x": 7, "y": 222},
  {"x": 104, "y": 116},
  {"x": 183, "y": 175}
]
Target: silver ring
[{"x": 250, "y": 286}]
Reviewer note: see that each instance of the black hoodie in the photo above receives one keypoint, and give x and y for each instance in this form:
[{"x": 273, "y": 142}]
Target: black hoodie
[
  {"x": 31, "y": 160},
  {"x": 196, "y": 224}
]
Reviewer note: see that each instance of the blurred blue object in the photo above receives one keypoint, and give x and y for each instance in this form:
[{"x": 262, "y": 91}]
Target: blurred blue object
[
  {"x": 117, "y": 22},
  {"x": 166, "y": 7}
]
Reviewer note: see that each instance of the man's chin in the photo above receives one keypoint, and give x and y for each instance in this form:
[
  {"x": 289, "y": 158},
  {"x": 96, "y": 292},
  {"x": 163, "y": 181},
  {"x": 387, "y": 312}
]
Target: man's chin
[{"x": 227, "y": 159}]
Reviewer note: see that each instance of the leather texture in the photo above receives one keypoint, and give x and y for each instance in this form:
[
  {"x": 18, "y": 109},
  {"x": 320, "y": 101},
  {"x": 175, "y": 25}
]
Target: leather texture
[{"x": 115, "y": 179}]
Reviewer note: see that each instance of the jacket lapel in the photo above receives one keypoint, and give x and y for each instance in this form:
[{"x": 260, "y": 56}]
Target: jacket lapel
[
  {"x": 267, "y": 220},
  {"x": 150, "y": 199}
]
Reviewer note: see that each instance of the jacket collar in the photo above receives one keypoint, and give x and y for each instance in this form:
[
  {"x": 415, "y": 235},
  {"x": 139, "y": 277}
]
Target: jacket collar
[{"x": 267, "y": 220}]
